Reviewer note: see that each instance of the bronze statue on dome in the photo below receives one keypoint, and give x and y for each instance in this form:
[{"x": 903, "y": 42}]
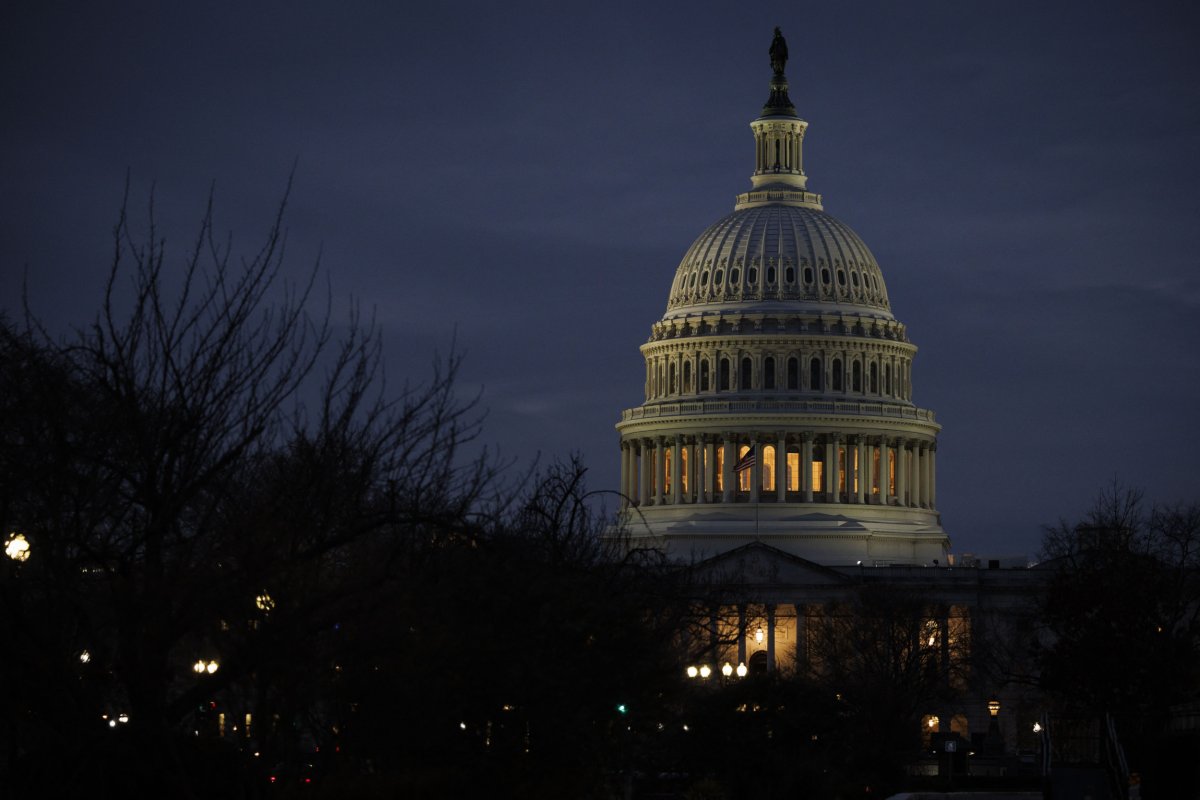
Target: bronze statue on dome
[{"x": 778, "y": 52}]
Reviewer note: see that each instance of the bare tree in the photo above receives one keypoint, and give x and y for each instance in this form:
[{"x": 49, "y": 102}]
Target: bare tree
[{"x": 207, "y": 475}]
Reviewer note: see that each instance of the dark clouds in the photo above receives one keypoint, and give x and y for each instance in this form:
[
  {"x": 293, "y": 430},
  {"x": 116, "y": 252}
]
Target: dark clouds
[{"x": 526, "y": 177}]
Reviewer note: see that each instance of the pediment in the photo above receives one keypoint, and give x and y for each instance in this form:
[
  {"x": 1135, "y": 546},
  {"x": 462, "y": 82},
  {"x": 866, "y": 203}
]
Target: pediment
[{"x": 759, "y": 564}]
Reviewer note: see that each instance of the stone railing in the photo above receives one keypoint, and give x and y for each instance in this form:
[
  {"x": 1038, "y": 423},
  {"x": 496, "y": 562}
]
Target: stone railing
[{"x": 838, "y": 407}]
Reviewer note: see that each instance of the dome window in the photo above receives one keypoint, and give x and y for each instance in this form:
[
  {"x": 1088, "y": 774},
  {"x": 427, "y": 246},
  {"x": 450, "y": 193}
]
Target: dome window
[
  {"x": 746, "y": 373},
  {"x": 874, "y": 378},
  {"x": 752, "y": 276},
  {"x": 854, "y": 279},
  {"x": 814, "y": 375},
  {"x": 793, "y": 373},
  {"x": 808, "y": 275},
  {"x": 841, "y": 278},
  {"x": 734, "y": 274},
  {"x": 723, "y": 375},
  {"x": 856, "y": 377},
  {"x": 768, "y": 373},
  {"x": 790, "y": 275},
  {"x": 687, "y": 377},
  {"x": 717, "y": 276},
  {"x": 704, "y": 374},
  {"x": 692, "y": 282},
  {"x": 770, "y": 275},
  {"x": 671, "y": 379},
  {"x": 825, "y": 277},
  {"x": 837, "y": 375},
  {"x": 704, "y": 279}
]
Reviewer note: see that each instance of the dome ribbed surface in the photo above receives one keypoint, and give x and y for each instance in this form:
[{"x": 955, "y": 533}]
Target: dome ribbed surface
[{"x": 777, "y": 253}]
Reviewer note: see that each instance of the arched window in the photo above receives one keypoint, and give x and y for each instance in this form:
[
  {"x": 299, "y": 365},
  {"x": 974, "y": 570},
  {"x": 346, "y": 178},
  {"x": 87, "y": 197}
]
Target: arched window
[
  {"x": 743, "y": 477},
  {"x": 837, "y": 375},
  {"x": 856, "y": 376},
  {"x": 752, "y": 276},
  {"x": 768, "y": 468},
  {"x": 768, "y": 373},
  {"x": 874, "y": 378},
  {"x": 790, "y": 274},
  {"x": 723, "y": 375},
  {"x": 745, "y": 373},
  {"x": 793, "y": 373},
  {"x": 814, "y": 375},
  {"x": 770, "y": 274},
  {"x": 687, "y": 377},
  {"x": 887, "y": 379},
  {"x": 671, "y": 378},
  {"x": 704, "y": 374},
  {"x": 808, "y": 275}
]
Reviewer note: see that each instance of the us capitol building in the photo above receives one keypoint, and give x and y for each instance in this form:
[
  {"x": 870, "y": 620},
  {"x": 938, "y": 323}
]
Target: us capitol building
[{"x": 778, "y": 386}]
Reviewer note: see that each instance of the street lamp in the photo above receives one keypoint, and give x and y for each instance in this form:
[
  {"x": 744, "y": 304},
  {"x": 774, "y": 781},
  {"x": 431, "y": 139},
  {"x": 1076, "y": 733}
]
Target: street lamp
[
  {"x": 994, "y": 707},
  {"x": 202, "y": 666},
  {"x": 692, "y": 671},
  {"x": 727, "y": 670},
  {"x": 742, "y": 670},
  {"x": 705, "y": 671},
  {"x": 264, "y": 602},
  {"x": 16, "y": 547}
]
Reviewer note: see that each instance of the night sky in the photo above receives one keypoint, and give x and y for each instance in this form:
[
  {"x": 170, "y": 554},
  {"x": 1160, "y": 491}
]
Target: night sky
[{"x": 524, "y": 179}]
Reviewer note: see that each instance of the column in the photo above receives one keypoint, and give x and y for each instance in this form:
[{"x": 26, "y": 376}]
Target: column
[
  {"x": 781, "y": 463},
  {"x": 645, "y": 472},
  {"x": 801, "y": 637},
  {"x": 676, "y": 471},
  {"x": 626, "y": 492},
  {"x": 884, "y": 471},
  {"x": 659, "y": 470},
  {"x": 832, "y": 468},
  {"x": 701, "y": 468},
  {"x": 770, "y": 638},
  {"x": 756, "y": 470},
  {"x": 860, "y": 457},
  {"x": 933, "y": 475},
  {"x": 915, "y": 476},
  {"x": 730, "y": 445},
  {"x": 865, "y": 468},
  {"x": 741, "y": 650},
  {"x": 806, "y": 456},
  {"x": 901, "y": 472}
]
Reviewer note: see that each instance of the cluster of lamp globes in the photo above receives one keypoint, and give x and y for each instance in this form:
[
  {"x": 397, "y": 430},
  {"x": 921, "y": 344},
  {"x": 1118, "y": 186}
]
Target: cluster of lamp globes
[
  {"x": 728, "y": 670},
  {"x": 16, "y": 547}
]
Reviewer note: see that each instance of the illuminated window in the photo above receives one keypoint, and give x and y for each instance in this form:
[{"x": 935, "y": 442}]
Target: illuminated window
[
  {"x": 683, "y": 469},
  {"x": 768, "y": 373},
  {"x": 841, "y": 476},
  {"x": 793, "y": 373},
  {"x": 814, "y": 374},
  {"x": 745, "y": 373},
  {"x": 875, "y": 453},
  {"x": 892, "y": 472},
  {"x": 666, "y": 469},
  {"x": 743, "y": 477},
  {"x": 793, "y": 471},
  {"x": 768, "y": 468},
  {"x": 719, "y": 469},
  {"x": 818, "y": 474}
]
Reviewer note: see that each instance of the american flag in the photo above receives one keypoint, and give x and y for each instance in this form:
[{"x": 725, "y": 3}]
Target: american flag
[{"x": 746, "y": 461}]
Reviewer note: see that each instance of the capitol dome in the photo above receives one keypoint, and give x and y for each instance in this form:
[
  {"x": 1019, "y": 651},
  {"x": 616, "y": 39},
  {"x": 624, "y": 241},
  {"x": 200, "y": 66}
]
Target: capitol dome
[
  {"x": 778, "y": 395},
  {"x": 766, "y": 255}
]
